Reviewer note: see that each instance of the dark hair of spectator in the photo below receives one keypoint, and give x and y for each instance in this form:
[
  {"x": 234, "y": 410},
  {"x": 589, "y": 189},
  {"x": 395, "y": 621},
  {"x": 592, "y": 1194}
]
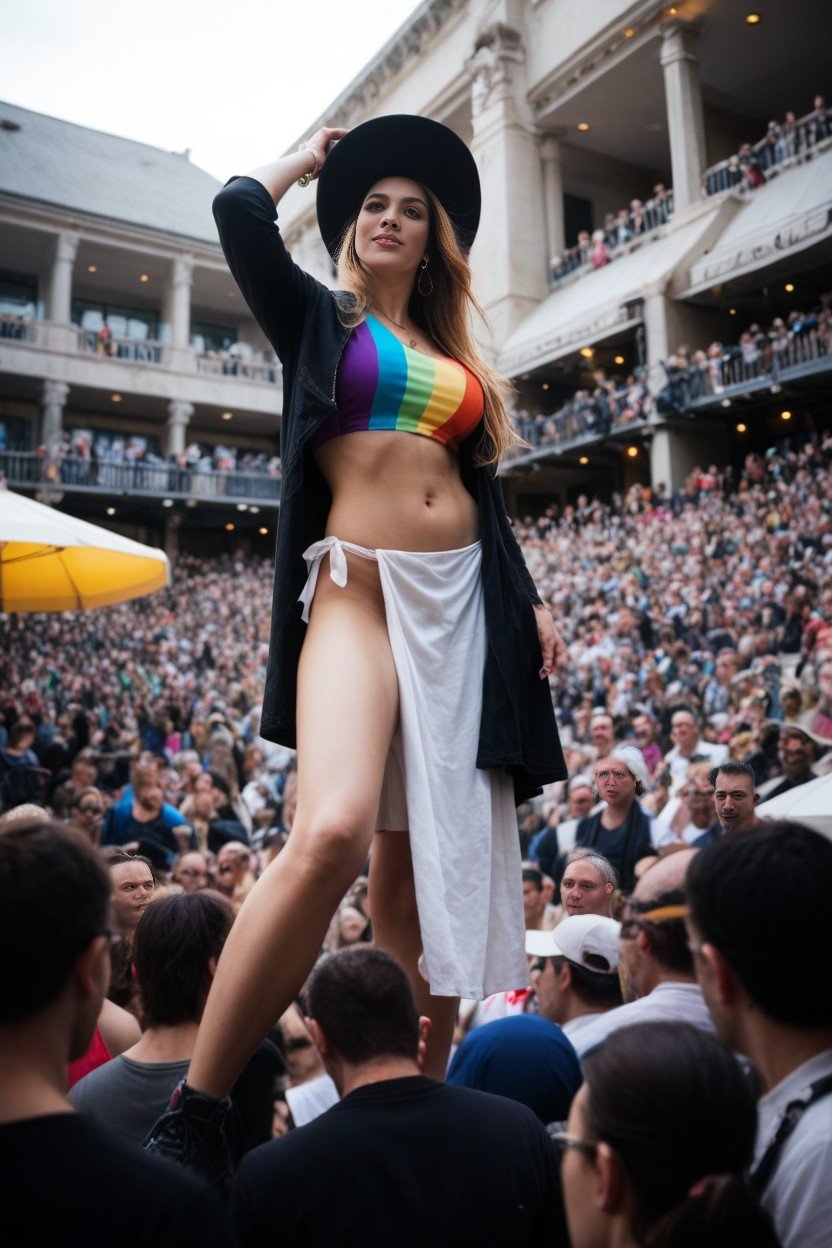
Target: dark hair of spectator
[
  {"x": 174, "y": 940},
  {"x": 115, "y": 857},
  {"x": 682, "y": 708},
  {"x": 362, "y": 1000},
  {"x": 668, "y": 937},
  {"x": 599, "y": 988},
  {"x": 791, "y": 867},
  {"x": 54, "y": 897},
  {"x": 732, "y": 767},
  {"x": 532, "y": 876},
  {"x": 677, "y": 1108},
  {"x": 19, "y": 732}
]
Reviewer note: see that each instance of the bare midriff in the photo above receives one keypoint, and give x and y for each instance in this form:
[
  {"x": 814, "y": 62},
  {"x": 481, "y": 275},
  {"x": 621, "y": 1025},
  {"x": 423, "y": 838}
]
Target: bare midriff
[{"x": 397, "y": 491}]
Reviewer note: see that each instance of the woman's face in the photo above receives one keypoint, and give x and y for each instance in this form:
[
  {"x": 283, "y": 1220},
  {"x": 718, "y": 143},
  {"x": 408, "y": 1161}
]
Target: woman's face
[
  {"x": 392, "y": 229},
  {"x": 588, "y": 1228}
]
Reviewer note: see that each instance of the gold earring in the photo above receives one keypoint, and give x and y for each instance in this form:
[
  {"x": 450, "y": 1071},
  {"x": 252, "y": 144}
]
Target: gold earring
[{"x": 424, "y": 273}]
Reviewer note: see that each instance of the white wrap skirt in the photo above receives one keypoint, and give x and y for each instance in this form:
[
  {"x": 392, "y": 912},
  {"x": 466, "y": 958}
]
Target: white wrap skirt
[{"x": 460, "y": 820}]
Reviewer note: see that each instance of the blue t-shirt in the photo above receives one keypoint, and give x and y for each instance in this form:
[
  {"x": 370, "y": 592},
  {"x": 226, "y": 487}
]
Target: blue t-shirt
[{"x": 120, "y": 828}]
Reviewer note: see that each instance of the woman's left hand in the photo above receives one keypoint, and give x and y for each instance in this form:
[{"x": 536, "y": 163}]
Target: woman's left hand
[{"x": 551, "y": 644}]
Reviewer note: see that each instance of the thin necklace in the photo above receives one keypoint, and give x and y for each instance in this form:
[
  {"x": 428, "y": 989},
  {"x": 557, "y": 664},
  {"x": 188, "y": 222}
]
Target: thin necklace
[{"x": 412, "y": 341}]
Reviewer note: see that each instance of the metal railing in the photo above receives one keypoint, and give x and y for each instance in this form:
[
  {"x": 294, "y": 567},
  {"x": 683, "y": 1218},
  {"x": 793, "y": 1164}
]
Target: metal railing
[
  {"x": 50, "y": 335},
  {"x": 156, "y": 480},
  {"x": 788, "y": 144},
  {"x": 586, "y": 418},
  {"x": 626, "y": 236},
  {"x": 738, "y": 370}
]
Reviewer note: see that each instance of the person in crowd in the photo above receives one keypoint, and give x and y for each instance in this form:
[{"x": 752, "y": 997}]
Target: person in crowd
[
  {"x": 657, "y": 1143},
  {"x": 83, "y": 774},
  {"x": 458, "y": 1165},
  {"x": 646, "y": 734},
  {"x": 134, "y": 883},
  {"x": 735, "y": 799},
  {"x": 145, "y": 824},
  {"x": 175, "y": 951},
  {"x": 690, "y": 814},
  {"x": 54, "y": 969},
  {"x": 655, "y": 965},
  {"x": 535, "y": 914},
  {"x": 522, "y": 1057},
  {"x": 234, "y": 872},
  {"x": 574, "y": 972},
  {"x": 559, "y": 837},
  {"x": 588, "y": 884},
  {"x": 818, "y": 719},
  {"x": 716, "y": 697},
  {"x": 741, "y": 890},
  {"x": 689, "y": 746},
  {"x": 353, "y": 927},
  {"x": 115, "y": 1031},
  {"x": 797, "y": 749},
  {"x": 86, "y": 811},
  {"x": 602, "y": 733},
  {"x": 191, "y": 871},
  {"x": 621, "y": 831},
  {"x": 19, "y": 780}
]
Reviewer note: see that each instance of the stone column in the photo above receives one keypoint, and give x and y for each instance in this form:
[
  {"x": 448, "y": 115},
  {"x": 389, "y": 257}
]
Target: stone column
[
  {"x": 59, "y": 291},
  {"x": 510, "y": 256},
  {"x": 179, "y": 416},
  {"x": 550, "y": 153},
  {"x": 53, "y": 397},
  {"x": 177, "y": 312},
  {"x": 685, "y": 119}
]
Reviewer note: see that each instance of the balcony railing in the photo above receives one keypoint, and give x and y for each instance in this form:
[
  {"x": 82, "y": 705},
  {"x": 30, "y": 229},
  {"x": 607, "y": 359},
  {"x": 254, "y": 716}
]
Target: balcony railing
[
  {"x": 583, "y": 420},
  {"x": 50, "y": 335},
  {"x": 619, "y": 240},
  {"x": 738, "y": 372},
  {"x": 22, "y": 469},
  {"x": 755, "y": 163}
]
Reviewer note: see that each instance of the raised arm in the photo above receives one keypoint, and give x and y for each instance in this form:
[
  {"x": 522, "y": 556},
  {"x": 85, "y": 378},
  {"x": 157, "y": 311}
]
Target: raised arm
[{"x": 276, "y": 290}]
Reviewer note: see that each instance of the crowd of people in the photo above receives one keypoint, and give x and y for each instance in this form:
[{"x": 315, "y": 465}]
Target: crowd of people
[
  {"x": 622, "y": 232},
  {"x": 793, "y": 340},
  {"x": 610, "y": 404},
  {"x": 754, "y": 164},
  {"x": 698, "y": 685}
]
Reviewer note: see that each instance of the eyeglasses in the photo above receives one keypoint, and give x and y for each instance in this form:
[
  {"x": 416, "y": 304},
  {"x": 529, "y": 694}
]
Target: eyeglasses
[
  {"x": 564, "y": 1142},
  {"x": 90, "y": 810},
  {"x": 191, "y": 873}
]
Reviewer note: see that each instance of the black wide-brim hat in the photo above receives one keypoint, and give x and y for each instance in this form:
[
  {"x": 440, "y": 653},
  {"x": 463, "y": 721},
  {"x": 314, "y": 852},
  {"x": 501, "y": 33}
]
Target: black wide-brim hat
[{"x": 399, "y": 146}]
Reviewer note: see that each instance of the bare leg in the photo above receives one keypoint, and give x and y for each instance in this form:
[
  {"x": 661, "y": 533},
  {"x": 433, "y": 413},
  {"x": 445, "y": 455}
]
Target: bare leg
[
  {"x": 347, "y": 713},
  {"x": 392, "y": 902}
]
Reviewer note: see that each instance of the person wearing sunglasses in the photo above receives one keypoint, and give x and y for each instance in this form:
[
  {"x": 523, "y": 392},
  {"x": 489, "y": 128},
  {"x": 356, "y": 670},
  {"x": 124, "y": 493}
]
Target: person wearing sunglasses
[
  {"x": 86, "y": 811},
  {"x": 657, "y": 1142}
]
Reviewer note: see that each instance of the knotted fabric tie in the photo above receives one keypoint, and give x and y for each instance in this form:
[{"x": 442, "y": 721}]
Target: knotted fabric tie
[{"x": 337, "y": 569}]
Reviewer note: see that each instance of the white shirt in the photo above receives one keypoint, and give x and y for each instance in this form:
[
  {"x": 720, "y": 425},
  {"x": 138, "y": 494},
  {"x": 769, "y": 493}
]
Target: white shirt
[
  {"x": 799, "y": 1196},
  {"x": 678, "y": 764},
  {"x": 577, "y": 1026},
  {"x": 675, "y": 1001}
]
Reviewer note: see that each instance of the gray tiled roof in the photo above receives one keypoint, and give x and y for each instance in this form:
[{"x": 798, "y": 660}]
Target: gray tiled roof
[{"x": 67, "y": 165}]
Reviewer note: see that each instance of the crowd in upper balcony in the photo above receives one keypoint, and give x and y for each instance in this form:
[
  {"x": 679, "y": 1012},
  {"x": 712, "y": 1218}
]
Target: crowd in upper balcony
[
  {"x": 759, "y": 352},
  {"x": 622, "y": 232},
  {"x": 754, "y": 164}
]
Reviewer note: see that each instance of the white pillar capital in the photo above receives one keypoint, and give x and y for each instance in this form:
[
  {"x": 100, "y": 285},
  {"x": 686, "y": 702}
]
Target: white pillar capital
[
  {"x": 550, "y": 145},
  {"x": 66, "y": 247},
  {"x": 182, "y": 271},
  {"x": 679, "y": 43},
  {"x": 53, "y": 396},
  {"x": 179, "y": 416}
]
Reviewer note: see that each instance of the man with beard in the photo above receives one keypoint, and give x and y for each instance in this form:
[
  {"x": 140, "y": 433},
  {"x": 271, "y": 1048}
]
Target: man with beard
[{"x": 655, "y": 965}]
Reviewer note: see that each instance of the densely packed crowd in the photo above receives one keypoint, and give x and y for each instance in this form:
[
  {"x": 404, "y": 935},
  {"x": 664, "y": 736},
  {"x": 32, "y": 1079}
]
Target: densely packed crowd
[{"x": 699, "y": 636}]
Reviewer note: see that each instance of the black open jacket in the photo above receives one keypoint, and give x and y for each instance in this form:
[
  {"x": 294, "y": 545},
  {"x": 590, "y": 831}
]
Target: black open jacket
[{"x": 299, "y": 316}]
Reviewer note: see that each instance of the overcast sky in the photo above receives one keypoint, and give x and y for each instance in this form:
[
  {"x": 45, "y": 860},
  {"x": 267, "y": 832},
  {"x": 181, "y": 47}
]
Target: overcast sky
[{"x": 236, "y": 81}]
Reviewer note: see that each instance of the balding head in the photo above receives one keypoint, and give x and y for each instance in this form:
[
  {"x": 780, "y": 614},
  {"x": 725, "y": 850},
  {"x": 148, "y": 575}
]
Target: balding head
[{"x": 665, "y": 876}]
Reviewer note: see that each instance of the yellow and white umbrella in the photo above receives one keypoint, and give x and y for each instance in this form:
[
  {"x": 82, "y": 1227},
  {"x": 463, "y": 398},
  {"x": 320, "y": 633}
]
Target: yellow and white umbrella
[{"x": 50, "y": 561}]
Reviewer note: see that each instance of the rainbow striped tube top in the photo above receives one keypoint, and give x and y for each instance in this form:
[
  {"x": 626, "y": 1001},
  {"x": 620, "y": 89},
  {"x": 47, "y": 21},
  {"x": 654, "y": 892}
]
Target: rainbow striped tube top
[{"x": 383, "y": 384}]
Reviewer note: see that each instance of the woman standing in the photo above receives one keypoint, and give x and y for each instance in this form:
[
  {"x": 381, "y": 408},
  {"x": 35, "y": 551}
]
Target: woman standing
[{"x": 410, "y": 652}]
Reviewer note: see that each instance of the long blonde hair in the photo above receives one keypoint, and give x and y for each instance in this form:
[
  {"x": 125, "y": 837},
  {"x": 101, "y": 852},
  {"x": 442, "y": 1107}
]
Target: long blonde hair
[{"x": 444, "y": 314}]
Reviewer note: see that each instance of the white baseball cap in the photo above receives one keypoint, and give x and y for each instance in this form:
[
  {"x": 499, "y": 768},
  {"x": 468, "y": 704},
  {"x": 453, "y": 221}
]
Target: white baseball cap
[{"x": 582, "y": 938}]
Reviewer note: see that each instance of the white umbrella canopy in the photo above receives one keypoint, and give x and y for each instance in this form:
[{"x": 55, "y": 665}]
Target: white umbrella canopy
[
  {"x": 810, "y": 804},
  {"x": 50, "y": 561}
]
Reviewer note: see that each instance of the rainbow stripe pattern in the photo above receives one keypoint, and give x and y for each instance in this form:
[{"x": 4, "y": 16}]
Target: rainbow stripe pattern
[{"x": 384, "y": 384}]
